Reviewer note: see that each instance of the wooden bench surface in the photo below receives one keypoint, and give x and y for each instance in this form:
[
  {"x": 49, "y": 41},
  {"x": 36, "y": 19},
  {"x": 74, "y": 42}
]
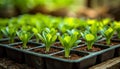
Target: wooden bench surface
[{"x": 109, "y": 64}]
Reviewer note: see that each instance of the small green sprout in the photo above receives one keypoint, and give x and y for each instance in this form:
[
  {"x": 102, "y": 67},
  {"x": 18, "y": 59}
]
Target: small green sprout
[
  {"x": 74, "y": 31},
  {"x": 3, "y": 24},
  {"x": 36, "y": 30},
  {"x": 90, "y": 39},
  {"x": 68, "y": 42},
  {"x": 117, "y": 28},
  {"x": 10, "y": 32},
  {"x": 48, "y": 37},
  {"x": 24, "y": 36},
  {"x": 1, "y": 34},
  {"x": 94, "y": 30},
  {"x": 108, "y": 33}
]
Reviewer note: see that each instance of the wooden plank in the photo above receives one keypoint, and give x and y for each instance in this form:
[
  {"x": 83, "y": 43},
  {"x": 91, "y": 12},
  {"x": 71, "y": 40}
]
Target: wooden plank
[{"x": 110, "y": 64}]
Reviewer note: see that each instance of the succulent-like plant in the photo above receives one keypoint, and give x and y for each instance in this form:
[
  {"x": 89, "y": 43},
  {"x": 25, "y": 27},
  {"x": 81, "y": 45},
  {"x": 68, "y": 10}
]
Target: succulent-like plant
[
  {"x": 3, "y": 24},
  {"x": 74, "y": 31},
  {"x": 69, "y": 41},
  {"x": 117, "y": 28},
  {"x": 108, "y": 32},
  {"x": 1, "y": 34},
  {"x": 24, "y": 36},
  {"x": 10, "y": 31},
  {"x": 94, "y": 30},
  {"x": 90, "y": 35},
  {"x": 48, "y": 37},
  {"x": 90, "y": 39},
  {"x": 37, "y": 30}
]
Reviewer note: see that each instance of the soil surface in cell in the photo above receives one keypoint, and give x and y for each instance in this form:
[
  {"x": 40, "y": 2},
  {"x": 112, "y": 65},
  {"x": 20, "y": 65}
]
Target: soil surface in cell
[
  {"x": 58, "y": 44},
  {"x": 28, "y": 46},
  {"x": 113, "y": 43},
  {"x": 7, "y": 41},
  {"x": 6, "y": 63},
  {"x": 43, "y": 50},
  {"x": 34, "y": 40},
  {"x": 72, "y": 56},
  {"x": 117, "y": 39},
  {"x": 84, "y": 48}
]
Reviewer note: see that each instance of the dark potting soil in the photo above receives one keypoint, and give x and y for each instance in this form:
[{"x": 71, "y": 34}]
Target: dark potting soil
[
  {"x": 116, "y": 39},
  {"x": 57, "y": 44},
  {"x": 43, "y": 50},
  {"x": 84, "y": 48},
  {"x": 113, "y": 43},
  {"x": 7, "y": 42},
  {"x": 72, "y": 56},
  {"x": 28, "y": 46},
  {"x": 3, "y": 37},
  {"x": 6, "y": 63},
  {"x": 34, "y": 40}
]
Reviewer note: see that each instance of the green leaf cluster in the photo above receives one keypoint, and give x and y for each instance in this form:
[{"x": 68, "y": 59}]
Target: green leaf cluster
[
  {"x": 69, "y": 41},
  {"x": 10, "y": 31},
  {"x": 48, "y": 37},
  {"x": 24, "y": 36}
]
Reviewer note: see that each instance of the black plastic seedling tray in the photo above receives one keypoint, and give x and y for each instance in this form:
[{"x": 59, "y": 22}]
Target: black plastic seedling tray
[
  {"x": 105, "y": 54},
  {"x": 17, "y": 54},
  {"x": 116, "y": 47},
  {"x": 3, "y": 42},
  {"x": 82, "y": 63},
  {"x": 2, "y": 51},
  {"x": 49, "y": 61},
  {"x": 37, "y": 62},
  {"x": 100, "y": 56},
  {"x": 58, "y": 45},
  {"x": 117, "y": 51}
]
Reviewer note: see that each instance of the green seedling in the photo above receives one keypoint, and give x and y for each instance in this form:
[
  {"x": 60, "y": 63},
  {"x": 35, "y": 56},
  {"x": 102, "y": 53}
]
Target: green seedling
[
  {"x": 10, "y": 32},
  {"x": 48, "y": 37},
  {"x": 108, "y": 33},
  {"x": 68, "y": 42},
  {"x": 24, "y": 36},
  {"x": 117, "y": 28},
  {"x": 90, "y": 39}
]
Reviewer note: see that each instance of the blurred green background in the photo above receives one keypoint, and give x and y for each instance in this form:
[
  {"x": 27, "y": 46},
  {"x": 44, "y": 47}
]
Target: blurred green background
[{"x": 74, "y": 8}]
